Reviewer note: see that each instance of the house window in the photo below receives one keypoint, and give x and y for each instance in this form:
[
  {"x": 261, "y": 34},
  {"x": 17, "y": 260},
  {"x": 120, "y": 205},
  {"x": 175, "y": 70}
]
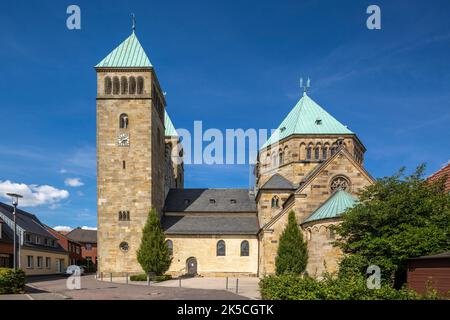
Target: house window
[
  {"x": 88, "y": 246},
  {"x": 220, "y": 248},
  {"x": 123, "y": 121},
  {"x": 317, "y": 153},
  {"x": 38, "y": 240},
  {"x": 30, "y": 262},
  {"x": 140, "y": 85},
  {"x": 308, "y": 153},
  {"x": 275, "y": 202},
  {"x": 132, "y": 89},
  {"x": 124, "y": 215},
  {"x": 116, "y": 85},
  {"x": 245, "y": 248},
  {"x": 124, "y": 85},
  {"x": 169, "y": 244},
  {"x": 40, "y": 261},
  {"x": 233, "y": 201},
  {"x": 46, "y": 241},
  {"x": 108, "y": 85},
  {"x": 324, "y": 153},
  {"x": 212, "y": 201},
  {"x": 48, "y": 262},
  {"x": 77, "y": 249},
  {"x": 28, "y": 238}
]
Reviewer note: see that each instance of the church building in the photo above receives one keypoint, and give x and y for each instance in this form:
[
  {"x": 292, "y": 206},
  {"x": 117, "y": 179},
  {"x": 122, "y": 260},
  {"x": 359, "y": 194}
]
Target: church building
[{"x": 312, "y": 165}]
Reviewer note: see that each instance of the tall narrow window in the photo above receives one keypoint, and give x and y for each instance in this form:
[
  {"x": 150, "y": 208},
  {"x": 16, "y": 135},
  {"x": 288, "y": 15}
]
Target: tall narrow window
[
  {"x": 124, "y": 166},
  {"x": 132, "y": 89},
  {"x": 116, "y": 85},
  {"x": 221, "y": 250},
  {"x": 308, "y": 153},
  {"x": 333, "y": 150},
  {"x": 123, "y": 121},
  {"x": 245, "y": 248},
  {"x": 169, "y": 244},
  {"x": 140, "y": 85},
  {"x": 275, "y": 202},
  {"x": 324, "y": 153},
  {"x": 281, "y": 157},
  {"x": 317, "y": 153},
  {"x": 108, "y": 85},
  {"x": 123, "y": 85}
]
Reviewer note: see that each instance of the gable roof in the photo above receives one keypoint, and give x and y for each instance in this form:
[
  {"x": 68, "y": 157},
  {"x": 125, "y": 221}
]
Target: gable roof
[
  {"x": 129, "y": 54},
  {"x": 277, "y": 181},
  {"x": 169, "y": 128},
  {"x": 333, "y": 207},
  {"x": 209, "y": 200},
  {"x": 445, "y": 171},
  {"x": 210, "y": 225},
  {"x": 27, "y": 221},
  {"x": 307, "y": 117},
  {"x": 83, "y": 235}
]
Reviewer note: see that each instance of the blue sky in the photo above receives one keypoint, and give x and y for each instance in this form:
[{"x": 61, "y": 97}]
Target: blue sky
[{"x": 230, "y": 64}]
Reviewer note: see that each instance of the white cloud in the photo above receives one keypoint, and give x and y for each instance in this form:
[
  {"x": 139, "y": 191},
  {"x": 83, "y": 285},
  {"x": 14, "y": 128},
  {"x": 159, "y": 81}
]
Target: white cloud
[
  {"x": 88, "y": 228},
  {"x": 33, "y": 194},
  {"x": 62, "y": 171},
  {"x": 62, "y": 228},
  {"x": 73, "y": 182}
]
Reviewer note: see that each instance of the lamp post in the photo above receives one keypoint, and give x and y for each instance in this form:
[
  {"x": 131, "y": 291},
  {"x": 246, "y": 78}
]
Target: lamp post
[{"x": 15, "y": 201}]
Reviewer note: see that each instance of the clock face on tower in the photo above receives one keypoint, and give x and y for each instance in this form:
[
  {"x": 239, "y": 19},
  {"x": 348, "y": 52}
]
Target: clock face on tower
[{"x": 123, "y": 140}]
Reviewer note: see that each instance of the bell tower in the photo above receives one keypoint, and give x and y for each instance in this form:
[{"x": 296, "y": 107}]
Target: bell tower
[{"x": 130, "y": 153}]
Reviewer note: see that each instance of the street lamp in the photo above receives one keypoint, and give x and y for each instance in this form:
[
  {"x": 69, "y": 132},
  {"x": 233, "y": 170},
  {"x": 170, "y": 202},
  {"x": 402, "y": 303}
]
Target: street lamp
[{"x": 15, "y": 201}]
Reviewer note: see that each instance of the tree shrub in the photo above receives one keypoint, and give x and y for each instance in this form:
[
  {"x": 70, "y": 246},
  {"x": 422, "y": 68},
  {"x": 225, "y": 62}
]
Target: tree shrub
[
  {"x": 292, "y": 255},
  {"x": 153, "y": 254},
  {"x": 11, "y": 281}
]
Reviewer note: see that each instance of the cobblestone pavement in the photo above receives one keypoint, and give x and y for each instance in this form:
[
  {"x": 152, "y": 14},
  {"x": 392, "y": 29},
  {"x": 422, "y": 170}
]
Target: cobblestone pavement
[{"x": 51, "y": 288}]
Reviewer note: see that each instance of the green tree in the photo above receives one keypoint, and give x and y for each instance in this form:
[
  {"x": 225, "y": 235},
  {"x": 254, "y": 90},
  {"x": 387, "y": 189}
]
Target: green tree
[
  {"x": 292, "y": 255},
  {"x": 397, "y": 218},
  {"x": 153, "y": 254}
]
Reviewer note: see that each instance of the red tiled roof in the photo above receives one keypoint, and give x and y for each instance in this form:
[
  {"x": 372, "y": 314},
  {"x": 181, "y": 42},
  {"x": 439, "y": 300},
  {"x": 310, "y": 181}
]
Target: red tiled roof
[{"x": 441, "y": 173}]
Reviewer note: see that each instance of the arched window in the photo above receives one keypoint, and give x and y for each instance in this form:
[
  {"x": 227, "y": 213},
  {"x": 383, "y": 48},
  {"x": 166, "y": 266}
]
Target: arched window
[
  {"x": 308, "y": 153},
  {"x": 108, "y": 85},
  {"x": 169, "y": 244},
  {"x": 220, "y": 248},
  {"x": 309, "y": 235},
  {"x": 124, "y": 85},
  {"x": 324, "y": 153},
  {"x": 302, "y": 151},
  {"x": 275, "y": 202},
  {"x": 120, "y": 216},
  {"x": 140, "y": 85},
  {"x": 317, "y": 153},
  {"x": 116, "y": 85},
  {"x": 123, "y": 121},
  {"x": 245, "y": 249},
  {"x": 132, "y": 89},
  {"x": 274, "y": 160},
  {"x": 281, "y": 157},
  {"x": 331, "y": 234},
  {"x": 333, "y": 150}
]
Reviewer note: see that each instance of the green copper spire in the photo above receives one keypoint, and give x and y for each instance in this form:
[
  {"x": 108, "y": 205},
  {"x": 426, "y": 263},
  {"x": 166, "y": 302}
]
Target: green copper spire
[
  {"x": 129, "y": 54},
  {"x": 169, "y": 127},
  {"x": 333, "y": 207},
  {"x": 307, "y": 117}
]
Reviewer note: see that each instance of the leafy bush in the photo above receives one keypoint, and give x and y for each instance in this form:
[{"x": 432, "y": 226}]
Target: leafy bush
[
  {"x": 143, "y": 277},
  {"x": 292, "y": 255},
  {"x": 11, "y": 281},
  {"x": 293, "y": 287}
]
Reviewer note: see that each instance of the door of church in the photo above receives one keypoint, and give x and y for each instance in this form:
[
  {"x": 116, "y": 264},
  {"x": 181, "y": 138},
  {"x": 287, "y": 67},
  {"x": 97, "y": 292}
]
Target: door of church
[{"x": 192, "y": 266}]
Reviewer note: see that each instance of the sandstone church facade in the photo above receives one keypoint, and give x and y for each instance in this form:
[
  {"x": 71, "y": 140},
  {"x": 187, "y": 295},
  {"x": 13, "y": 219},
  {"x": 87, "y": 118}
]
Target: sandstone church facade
[{"x": 313, "y": 166}]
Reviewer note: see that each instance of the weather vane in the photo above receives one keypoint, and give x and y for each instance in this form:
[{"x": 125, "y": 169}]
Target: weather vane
[
  {"x": 308, "y": 84},
  {"x": 133, "y": 19}
]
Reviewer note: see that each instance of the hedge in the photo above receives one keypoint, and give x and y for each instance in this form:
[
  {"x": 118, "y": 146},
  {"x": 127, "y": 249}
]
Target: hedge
[
  {"x": 293, "y": 287},
  {"x": 143, "y": 277},
  {"x": 11, "y": 281}
]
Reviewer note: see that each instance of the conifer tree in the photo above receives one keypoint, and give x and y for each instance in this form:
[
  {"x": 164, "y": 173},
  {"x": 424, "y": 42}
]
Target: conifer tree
[
  {"x": 292, "y": 255},
  {"x": 153, "y": 254}
]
